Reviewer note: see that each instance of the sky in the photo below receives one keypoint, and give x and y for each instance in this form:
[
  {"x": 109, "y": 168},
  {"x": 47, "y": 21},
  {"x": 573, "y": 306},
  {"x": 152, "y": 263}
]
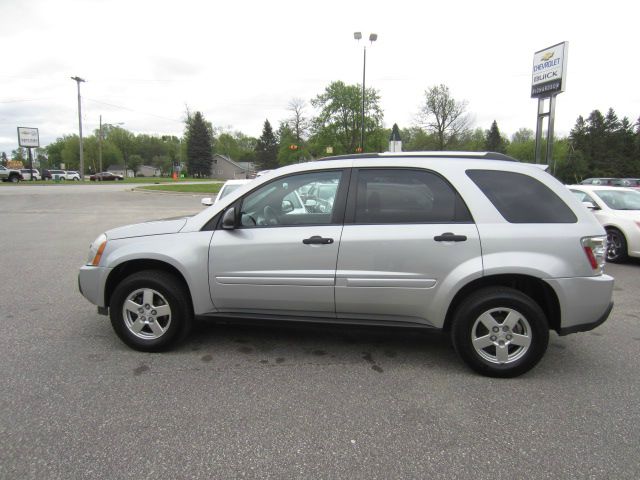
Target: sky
[{"x": 242, "y": 62}]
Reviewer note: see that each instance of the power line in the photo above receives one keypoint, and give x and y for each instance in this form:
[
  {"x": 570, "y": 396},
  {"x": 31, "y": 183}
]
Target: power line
[{"x": 132, "y": 110}]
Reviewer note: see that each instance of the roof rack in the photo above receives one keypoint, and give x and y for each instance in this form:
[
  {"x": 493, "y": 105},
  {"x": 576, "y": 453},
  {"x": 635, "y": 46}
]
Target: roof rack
[{"x": 465, "y": 155}]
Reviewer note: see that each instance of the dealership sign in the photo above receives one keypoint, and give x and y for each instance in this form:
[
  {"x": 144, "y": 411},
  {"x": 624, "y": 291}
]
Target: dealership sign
[
  {"x": 549, "y": 71},
  {"x": 28, "y": 137}
]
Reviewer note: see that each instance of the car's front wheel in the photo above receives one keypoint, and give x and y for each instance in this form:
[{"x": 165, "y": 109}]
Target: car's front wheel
[
  {"x": 500, "y": 332},
  {"x": 150, "y": 310}
]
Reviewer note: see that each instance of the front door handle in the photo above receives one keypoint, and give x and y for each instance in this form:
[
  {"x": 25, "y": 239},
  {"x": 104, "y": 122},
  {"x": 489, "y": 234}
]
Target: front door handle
[
  {"x": 317, "y": 240},
  {"x": 450, "y": 237}
]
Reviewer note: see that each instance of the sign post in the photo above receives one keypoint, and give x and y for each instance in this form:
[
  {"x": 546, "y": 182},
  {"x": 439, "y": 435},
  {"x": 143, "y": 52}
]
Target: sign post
[
  {"x": 548, "y": 79},
  {"x": 29, "y": 138}
]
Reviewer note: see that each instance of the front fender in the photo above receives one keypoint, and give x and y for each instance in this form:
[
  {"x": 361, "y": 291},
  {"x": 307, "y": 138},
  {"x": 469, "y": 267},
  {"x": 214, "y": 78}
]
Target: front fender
[{"x": 188, "y": 253}]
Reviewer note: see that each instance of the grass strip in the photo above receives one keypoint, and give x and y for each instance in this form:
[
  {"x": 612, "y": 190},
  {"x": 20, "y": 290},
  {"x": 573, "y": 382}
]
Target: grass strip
[{"x": 211, "y": 188}]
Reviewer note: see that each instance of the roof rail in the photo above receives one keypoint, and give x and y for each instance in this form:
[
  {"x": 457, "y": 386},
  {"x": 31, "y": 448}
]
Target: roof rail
[{"x": 452, "y": 154}]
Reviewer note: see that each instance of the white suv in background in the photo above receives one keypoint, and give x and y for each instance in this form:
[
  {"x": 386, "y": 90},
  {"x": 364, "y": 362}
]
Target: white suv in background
[
  {"x": 28, "y": 173},
  {"x": 495, "y": 252}
]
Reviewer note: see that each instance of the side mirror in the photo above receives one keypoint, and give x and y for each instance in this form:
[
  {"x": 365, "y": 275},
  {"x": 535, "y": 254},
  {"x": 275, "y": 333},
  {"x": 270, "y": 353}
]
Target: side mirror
[
  {"x": 229, "y": 219},
  {"x": 590, "y": 205},
  {"x": 287, "y": 206},
  {"x": 206, "y": 201}
]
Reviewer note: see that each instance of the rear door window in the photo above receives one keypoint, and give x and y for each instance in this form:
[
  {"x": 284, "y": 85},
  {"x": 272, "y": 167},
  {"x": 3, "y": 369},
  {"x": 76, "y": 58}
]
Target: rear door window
[
  {"x": 386, "y": 196},
  {"x": 520, "y": 198}
]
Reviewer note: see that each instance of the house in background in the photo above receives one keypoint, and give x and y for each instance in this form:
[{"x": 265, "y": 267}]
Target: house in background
[
  {"x": 119, "y": 170},
  {"x": 224, "y": 168},
  {"x": 148, "y": 171}
]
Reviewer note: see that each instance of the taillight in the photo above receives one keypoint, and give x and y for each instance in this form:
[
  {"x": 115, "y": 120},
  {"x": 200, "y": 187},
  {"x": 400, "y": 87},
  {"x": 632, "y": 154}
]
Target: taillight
[{"x": 595, "y": 248}]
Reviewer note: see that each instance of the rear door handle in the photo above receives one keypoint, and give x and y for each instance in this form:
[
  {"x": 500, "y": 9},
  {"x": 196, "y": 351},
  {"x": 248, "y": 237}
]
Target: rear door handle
[
  {"x": 317, "y": 240},
  {"x": 450, "y": 237}
]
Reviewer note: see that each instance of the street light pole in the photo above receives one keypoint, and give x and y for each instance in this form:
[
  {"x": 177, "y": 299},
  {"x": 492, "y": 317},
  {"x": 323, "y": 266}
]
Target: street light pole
[
  {"x": 78, "y": 80},
  {"x": 372, "y": 38}
]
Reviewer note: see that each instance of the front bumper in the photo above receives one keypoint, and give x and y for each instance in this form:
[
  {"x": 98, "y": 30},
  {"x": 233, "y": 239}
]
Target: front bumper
[
  {"x": 585, "y": 302},
  {"x": 91, "y": 282}
]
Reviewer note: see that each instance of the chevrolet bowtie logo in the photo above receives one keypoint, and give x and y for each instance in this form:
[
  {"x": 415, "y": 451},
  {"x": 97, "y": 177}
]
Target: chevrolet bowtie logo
[{"x": 547, "y": 56}]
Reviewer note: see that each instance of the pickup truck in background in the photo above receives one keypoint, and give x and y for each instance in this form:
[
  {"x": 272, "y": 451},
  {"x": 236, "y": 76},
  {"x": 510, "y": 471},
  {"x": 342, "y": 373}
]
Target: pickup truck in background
[{"x": 10, "y": 175}]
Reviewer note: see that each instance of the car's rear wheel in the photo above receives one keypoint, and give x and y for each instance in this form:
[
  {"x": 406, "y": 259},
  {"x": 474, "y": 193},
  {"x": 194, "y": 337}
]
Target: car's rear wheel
[
  {"x": 616, "y": 246},
  {"x": 500, "y": 332},
  {"x": 14, "y": 179},
  {"x": 150, "y": 310}
]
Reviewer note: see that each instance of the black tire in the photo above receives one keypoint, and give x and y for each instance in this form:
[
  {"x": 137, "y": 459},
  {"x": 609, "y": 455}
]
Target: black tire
[
  {"x": 171, "y": 290},
  {"x": 497, "y": 302},
  {"x": 616, "y": 246},
  {"x": 14, "y": 179}
]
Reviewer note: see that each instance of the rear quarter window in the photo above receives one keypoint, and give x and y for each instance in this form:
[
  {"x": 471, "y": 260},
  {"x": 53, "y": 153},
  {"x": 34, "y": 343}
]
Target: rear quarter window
[{"x": 520, "y": 198}]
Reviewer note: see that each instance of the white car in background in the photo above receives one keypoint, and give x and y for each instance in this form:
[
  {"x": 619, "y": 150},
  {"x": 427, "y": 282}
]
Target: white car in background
[
  {"x": 71, "y": 175},
  {"x": 229, "y": 186},
  {"x": 26, "y": 174},
  {"x": 618, "y": 211}
]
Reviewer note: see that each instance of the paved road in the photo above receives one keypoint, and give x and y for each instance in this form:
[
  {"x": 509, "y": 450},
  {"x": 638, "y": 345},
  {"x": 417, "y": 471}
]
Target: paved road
[{"x": 283, "y": 402}]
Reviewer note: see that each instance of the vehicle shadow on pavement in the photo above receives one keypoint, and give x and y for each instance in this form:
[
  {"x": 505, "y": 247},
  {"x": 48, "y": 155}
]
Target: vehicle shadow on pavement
[{"x": 282, "y": 344}]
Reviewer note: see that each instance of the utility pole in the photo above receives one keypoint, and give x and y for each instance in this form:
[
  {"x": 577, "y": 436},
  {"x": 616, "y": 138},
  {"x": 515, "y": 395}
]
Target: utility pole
[
  {"x": 100, "y": 146},
  {"x": 78, "y": 80}
]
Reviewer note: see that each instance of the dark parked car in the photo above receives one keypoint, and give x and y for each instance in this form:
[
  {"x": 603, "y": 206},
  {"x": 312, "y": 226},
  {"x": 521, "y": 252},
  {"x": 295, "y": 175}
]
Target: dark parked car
[
  {"x": 105, "y": 176},
  {"x": 631, "y": 183},
  {"x": 46, "y": 175}
]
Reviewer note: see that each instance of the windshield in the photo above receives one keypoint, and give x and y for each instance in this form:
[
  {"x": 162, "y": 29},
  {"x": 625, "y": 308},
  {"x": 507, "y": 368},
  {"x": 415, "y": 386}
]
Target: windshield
[{"x": 620, "y": 199}]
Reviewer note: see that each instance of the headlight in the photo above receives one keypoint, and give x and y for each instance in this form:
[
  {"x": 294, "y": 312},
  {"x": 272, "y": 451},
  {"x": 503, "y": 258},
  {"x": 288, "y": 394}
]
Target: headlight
[{"x": 96, "y": 249}]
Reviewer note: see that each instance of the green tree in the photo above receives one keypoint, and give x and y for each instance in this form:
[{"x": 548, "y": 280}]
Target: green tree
[
  {"x": 493, "y": 140},
  {"x": 19, "y": 154},
  {"x": 199, "y": 146},
  {"x": 415, "y": 139},
  {"x": 443, "y": 115},
  {"x": 70, "y": 154},
  {"x": 3, "y": 158},
  {"x": 523, "y": 135},
  {"x": 134, "y": 163},
  {"x": 123, "y": 139},
  {"x": 470, "y": 141},
  {"x": 267, "y": 148},
  {"x": 289, "y": 149},
  {"x": 339, "y": 122}
]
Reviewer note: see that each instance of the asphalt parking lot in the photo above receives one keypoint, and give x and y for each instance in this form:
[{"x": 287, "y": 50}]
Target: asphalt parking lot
[{"x": 281, "y": 402}]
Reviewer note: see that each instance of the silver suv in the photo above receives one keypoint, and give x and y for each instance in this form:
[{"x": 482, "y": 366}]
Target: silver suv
[{"x": 495, "y": 252}]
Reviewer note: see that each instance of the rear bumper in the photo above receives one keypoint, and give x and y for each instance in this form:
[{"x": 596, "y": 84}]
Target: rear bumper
[
  {"x": 585, "y": 327},
  {"x": 585, "y": 302}
]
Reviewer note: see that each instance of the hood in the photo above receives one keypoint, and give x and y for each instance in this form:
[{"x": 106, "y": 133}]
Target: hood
[
  {"x": 159, "y": 227},
  {"x": 630, "y": 214}
]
